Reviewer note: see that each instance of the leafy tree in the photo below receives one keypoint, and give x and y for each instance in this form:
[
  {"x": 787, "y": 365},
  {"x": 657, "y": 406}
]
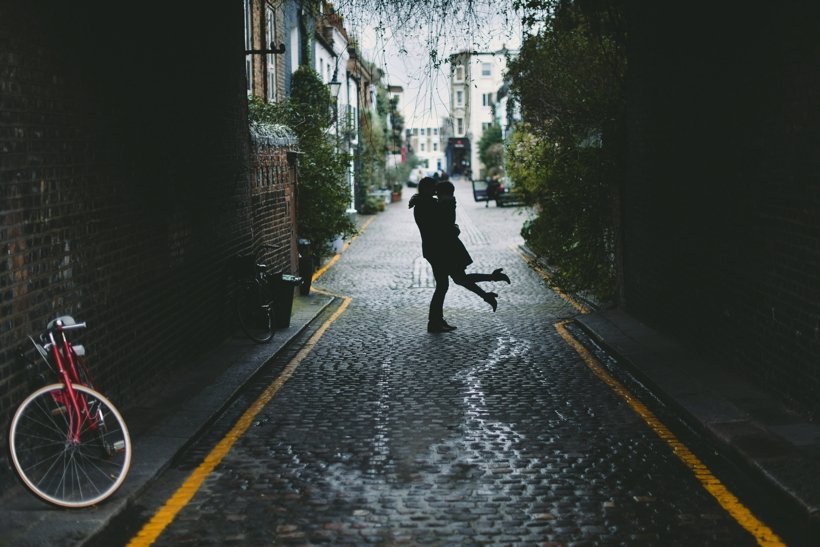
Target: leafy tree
[
  {"x": 373, "y": 150},
  {"x": 396, "y": 125},
  {"x": 567, "y": 156},
  {"x": 491, "y": 149},
  {"x": 323, "y": 194}
]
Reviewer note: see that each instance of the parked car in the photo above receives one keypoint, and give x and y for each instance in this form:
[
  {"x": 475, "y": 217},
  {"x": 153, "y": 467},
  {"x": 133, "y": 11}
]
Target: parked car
[
  {"x": 507, "y": 193},
  {"x": 417, "y": 174},
  {"x": 503, "y": 194}
]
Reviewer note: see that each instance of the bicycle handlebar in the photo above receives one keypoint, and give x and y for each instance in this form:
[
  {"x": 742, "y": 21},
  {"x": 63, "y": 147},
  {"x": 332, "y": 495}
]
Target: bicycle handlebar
[{"x": 64, "y": 323}]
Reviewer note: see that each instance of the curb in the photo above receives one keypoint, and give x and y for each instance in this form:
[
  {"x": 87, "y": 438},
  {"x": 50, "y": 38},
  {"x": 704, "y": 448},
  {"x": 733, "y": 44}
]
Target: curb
[
  {"x": 787, "y": 465},
  {"x": 27, "y": 521}
]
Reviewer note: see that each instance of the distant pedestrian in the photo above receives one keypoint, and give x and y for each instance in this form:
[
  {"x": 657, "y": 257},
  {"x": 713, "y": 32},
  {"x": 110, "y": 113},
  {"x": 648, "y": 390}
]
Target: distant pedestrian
[{"x": 493, "y": 188}]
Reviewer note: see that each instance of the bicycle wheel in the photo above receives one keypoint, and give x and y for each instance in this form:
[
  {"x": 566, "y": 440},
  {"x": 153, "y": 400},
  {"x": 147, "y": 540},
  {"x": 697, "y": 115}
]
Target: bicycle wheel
[
  {"x": 58, "y": 469},
  {"x": 253, "y": 311}
]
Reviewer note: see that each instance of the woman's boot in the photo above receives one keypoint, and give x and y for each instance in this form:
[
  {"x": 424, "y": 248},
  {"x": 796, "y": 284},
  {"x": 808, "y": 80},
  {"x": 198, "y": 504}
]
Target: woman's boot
[{"x": 499, "y": 275}]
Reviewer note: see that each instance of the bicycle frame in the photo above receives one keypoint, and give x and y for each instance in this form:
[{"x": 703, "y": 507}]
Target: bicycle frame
[{"x": 76, "y": 405}]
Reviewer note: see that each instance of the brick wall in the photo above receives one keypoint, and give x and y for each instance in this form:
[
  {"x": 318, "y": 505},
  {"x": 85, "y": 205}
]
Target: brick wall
[
  {"x": 721, "y": 209},
  {"x": 126, "y": 184},
  {"x": 273, "y": 193}
]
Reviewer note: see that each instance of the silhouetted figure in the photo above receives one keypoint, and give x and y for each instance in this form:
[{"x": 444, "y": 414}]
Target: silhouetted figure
[
  {"x": 445, "y": 252},
  {"x": 456, "y": 256},
  {"x": 493, "y": 189}
]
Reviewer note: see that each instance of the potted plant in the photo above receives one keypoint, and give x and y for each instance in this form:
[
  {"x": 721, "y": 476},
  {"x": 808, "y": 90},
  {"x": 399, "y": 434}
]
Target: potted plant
[{"x": 395, "y": 195}]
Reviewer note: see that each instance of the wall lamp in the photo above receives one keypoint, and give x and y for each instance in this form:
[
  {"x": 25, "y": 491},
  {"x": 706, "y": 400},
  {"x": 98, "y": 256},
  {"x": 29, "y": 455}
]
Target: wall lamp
[{"x": 334, "y": 87}]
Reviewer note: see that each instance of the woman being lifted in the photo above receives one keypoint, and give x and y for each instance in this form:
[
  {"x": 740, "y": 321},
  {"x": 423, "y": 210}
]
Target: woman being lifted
[{"x": 444, "y": 250}]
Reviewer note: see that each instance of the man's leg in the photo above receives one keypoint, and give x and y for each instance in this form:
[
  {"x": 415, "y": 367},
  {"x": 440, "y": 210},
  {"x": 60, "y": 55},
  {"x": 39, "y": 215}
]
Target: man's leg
[{"x": 441, "y": 276}]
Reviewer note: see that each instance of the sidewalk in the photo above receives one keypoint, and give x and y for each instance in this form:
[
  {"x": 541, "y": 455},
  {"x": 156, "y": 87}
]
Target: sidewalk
[
  {"x": 755, "y": 428},
  {"x": 159, "y": 430}
]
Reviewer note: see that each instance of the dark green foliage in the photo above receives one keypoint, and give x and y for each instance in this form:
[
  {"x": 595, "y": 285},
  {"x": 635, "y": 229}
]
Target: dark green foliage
[
  {"x": 491, "y": 149},
  {"x": 566, "y": 157},
  {"x": 323, "y": 191}
]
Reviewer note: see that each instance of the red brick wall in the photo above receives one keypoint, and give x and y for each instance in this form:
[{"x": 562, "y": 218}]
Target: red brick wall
[
  {"x": 273, "y": 191},
  {"x": 126, "y": 183}
]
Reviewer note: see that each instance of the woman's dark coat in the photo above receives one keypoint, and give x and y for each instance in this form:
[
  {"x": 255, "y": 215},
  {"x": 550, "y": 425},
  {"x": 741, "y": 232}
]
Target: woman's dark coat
[{"x": 439, "y": 241}]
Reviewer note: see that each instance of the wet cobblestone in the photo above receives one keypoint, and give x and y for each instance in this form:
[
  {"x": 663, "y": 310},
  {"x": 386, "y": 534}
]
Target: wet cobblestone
[{"x": 494, "y": 434}]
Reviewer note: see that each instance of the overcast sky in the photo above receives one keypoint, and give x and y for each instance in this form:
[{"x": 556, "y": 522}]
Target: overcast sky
[{"x": 406, "y": 58}]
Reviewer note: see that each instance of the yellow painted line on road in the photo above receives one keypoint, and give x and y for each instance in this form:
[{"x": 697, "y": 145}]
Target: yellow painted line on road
[
  {"x": 546, "y": 277},
  {"x": 762, "y": 533},
  {"x": 318, "y": 273},
  {"x": 151, "y": 531}
]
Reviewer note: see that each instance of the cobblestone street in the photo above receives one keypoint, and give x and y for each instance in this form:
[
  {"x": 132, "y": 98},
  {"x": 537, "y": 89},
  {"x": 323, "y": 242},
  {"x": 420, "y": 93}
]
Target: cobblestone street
[{"x": 495, "y": 433}]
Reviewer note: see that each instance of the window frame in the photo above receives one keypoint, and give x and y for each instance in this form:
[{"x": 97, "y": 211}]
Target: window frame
[
  {"x": 248, "y": 23},
  {"x": 270, "y": 31}
]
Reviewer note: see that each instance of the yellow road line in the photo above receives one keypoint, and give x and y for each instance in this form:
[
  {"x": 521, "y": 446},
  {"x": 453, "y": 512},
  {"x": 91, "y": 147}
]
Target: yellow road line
[
  {"x": 151, "y": 531},
  {"x": 318, "y": 273},
  {"x": 555, "y": 288},
  {"x": 762, "y": 533}
]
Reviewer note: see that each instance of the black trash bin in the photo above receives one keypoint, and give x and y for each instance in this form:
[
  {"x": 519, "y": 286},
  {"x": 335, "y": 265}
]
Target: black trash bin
[{"x": 283, "y": 285}]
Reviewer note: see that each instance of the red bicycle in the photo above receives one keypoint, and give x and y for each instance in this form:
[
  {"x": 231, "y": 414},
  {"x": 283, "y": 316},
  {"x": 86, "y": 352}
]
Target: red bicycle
[{"x": 69, "y": 445}]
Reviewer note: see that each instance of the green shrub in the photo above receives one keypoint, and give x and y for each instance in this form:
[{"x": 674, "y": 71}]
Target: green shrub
[
  {"x": 566, "y": 157},
  {"x": 323, "y": 194}
]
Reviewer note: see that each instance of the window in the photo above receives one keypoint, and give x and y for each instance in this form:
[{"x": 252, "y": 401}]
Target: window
[
  {"x": 486, "y": 69},
  {"x": 459, "y": 125},
  {"x": 485, "y": 126},
  {"x": 353, "y": 121},
  {"x": 422, "y": 147},
  {"x": 459, "y": 98},
  {"x": 294, "y": 49},
  {"x": 248, "y": 46},
  {"x": 415, "y": 131},
  {"x": 435, "y": 147},
  {"x": 487, "y": 99},
  {"x": 459, "y": 77},
  {"x": 421, "y": 131},
  {"x": 270, "y": 34},
  {"x": 435, "y": 131}
]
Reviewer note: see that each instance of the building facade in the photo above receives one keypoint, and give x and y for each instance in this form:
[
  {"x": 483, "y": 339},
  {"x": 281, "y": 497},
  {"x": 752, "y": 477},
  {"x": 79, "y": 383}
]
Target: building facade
[
  {"x": 475, "y": 78},
  {"x": 424, "y": 139}
]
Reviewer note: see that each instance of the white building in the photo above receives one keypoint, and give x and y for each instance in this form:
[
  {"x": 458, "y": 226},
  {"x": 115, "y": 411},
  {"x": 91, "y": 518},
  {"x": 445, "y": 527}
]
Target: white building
[
  {"x": 331, "y": 58},
  {"x": 424, "y": 137},
  {"x": 475, "y": 78}
]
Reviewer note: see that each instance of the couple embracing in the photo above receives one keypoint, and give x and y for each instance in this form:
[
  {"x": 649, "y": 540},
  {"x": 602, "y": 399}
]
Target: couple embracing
[{"x": 443, "y": 249}]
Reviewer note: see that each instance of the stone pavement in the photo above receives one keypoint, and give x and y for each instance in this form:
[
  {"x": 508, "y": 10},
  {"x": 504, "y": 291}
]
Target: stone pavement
[
  {"x": 752, "y": 427},
  {"x": 160, "y": 430},
  {"x": 533, "y": 451}
]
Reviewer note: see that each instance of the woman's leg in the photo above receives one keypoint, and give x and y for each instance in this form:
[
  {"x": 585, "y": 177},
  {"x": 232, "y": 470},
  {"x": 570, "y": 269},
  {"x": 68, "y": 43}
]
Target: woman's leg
[
  {"x": 468, "y": 281},
  {"x": 497, "y": 275}
]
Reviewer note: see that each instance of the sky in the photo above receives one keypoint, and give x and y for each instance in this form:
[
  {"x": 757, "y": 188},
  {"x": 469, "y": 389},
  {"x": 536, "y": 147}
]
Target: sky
[{"x": 405, "y": 55}]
